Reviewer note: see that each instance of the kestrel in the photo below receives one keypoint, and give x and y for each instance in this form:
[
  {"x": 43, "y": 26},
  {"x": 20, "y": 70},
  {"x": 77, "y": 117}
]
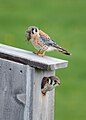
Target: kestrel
[
  {"x": 49, "y": 83},
  {"x": 42, "y": 42}
]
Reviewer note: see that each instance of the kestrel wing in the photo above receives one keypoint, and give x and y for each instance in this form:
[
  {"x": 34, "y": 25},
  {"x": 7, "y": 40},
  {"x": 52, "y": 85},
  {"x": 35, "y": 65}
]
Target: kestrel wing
[
  {"x": 49, "y": 42},
  {"x": 46, "y": 40}
]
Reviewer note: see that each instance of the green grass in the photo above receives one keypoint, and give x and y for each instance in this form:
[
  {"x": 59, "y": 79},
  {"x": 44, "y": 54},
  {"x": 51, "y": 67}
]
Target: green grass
[{"x": 65, "y": 22}]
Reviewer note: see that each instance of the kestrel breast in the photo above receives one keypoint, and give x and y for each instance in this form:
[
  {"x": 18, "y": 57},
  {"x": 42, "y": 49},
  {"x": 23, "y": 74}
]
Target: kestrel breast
[
  {"x": 42, "y": 45},
  {"x": 39, "y": 44}
]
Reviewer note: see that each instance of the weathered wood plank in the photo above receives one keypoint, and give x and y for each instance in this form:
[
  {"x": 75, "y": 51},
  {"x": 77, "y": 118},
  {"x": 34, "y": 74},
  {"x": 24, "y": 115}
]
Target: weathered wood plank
[
  {"x": 29, "y": 58},
  {"x": 38, "y": 107},
  {"x": 12, "y": 82},
  {"x": 28, "y": 112}
]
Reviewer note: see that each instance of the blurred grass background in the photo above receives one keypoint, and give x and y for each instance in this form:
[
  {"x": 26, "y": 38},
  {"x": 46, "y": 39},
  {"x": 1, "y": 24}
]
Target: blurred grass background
[{"x": 65, "y": 22}]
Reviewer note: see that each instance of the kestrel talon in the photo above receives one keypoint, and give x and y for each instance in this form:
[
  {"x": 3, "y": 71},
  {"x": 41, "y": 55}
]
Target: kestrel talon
[
  {"x": 42, "y": 42},
  {"x": 49, "y": 83}
]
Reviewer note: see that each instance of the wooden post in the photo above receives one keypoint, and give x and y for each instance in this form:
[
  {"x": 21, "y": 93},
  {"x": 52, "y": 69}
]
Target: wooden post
[{"x": 21, "y": 73}]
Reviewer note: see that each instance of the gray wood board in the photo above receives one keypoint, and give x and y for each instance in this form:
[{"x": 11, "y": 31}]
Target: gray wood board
[
  {"x": 38, "y": 106},
  {"x": 29, "y": 58},
  {"x": 12, "y": 82}
]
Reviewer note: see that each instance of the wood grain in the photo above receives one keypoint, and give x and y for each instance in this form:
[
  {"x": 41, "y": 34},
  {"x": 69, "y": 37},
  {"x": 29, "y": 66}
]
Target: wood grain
[
  {"x": 12, "y": 82},
  {"x": 38, "y": 106},
  {"x": 31, "y": 59}
]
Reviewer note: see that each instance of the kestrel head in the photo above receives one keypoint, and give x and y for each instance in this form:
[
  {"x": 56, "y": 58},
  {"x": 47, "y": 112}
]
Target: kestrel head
[
  {"x": 32, "y": 30},
  {"x": 49, "y": 83},
  {"x": 52, "y": 81}
]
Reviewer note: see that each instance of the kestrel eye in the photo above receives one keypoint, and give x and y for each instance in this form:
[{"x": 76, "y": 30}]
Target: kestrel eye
[
  {"x": 35, "y": 29},
  {"x": 32, "y": 29},
  {"x": 55, "y": 81},
  {"x": 47, "y": 80}
]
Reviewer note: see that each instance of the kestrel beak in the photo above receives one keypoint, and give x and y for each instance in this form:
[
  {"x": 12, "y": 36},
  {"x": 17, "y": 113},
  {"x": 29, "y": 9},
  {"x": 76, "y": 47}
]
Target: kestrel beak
[
  {"x": 28, "y": 35},
  {"x": 57, "y": 81}
]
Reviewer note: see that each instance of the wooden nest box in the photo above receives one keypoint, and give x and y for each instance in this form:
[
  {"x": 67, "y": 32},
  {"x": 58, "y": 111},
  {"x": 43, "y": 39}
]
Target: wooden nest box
[{"x": 21, "y": 73}]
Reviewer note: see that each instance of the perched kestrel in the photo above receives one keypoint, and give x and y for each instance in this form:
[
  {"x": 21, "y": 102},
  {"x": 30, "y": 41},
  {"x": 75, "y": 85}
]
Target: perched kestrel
[
  {"x": 42, "y": 42},
  {"x": 49, "y": 83}
]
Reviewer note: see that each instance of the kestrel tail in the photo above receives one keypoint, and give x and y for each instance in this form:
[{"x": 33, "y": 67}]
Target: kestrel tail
[{"x": 42, "y": 42}]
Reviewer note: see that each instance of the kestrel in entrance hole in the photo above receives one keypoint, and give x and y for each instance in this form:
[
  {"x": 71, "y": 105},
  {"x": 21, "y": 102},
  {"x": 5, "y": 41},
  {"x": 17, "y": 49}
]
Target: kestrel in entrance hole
[
  {"x": 49, "y": 83},
  {"x": 42, "y": 42}
]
